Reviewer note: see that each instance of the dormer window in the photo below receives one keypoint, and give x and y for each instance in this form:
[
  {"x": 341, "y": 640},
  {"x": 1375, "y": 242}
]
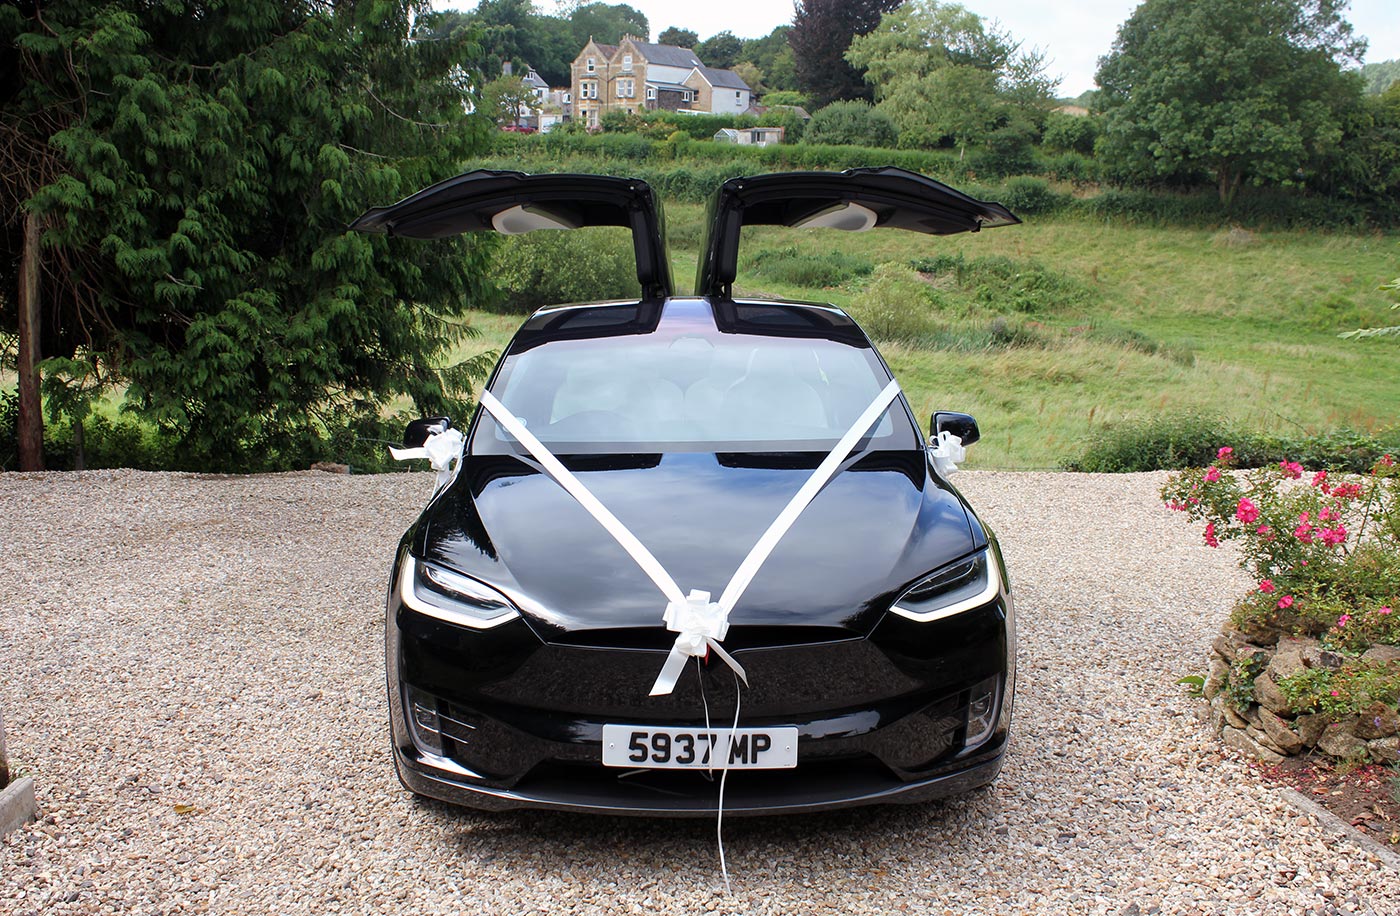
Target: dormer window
[
  {"x": 591, "y": 65},
  {"x": 627, "y": 63}
]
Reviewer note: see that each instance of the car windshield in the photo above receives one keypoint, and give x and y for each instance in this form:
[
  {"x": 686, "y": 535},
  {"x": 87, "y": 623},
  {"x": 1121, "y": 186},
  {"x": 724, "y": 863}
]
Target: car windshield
[{"x": 688, "y": 387}]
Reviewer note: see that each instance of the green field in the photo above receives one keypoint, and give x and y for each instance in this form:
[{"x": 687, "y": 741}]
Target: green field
[{"x": 1117, "y": 322}]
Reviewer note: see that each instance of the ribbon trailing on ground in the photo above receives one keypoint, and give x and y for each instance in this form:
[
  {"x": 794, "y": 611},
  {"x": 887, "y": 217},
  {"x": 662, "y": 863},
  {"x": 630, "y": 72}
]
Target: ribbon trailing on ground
[{"x": 699, "y": 623}]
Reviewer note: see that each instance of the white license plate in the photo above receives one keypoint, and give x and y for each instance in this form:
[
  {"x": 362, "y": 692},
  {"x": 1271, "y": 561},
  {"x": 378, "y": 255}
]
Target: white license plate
[{"x": 640, "y": 747}]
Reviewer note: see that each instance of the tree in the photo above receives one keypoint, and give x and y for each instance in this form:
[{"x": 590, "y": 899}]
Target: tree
[
  {"x": 750, "y": 75},
  {"x": 607, "y": 24},
  {"x": 192, "y": 167},
  {"x": 679, "y": 38},
  {"x": 853, "y": 123},
  {"x": 1236, "y": 90},
  {"x": 720, "y": 50},
  {"x": 506, "y": 99},
  {"x": 772, "y": 55},
  {"x": 1381, "y": 76},
  {"x": 510, "y": 30},
  {"x": 821, "y": 32},
  {"x": 943, "y": 75}
]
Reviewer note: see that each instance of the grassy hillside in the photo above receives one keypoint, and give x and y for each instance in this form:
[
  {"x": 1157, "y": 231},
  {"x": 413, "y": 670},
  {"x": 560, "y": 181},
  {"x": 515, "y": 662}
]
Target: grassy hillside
[{"x": 1048, "y": 330}]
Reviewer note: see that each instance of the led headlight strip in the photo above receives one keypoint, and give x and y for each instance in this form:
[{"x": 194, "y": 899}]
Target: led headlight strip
[
  {"x": 462, "y": 600},
  {"x": 938, "y": 606}
]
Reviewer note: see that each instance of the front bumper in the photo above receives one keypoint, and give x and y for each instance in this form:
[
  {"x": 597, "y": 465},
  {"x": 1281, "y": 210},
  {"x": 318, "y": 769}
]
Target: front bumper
[{"x": 880, "y": 718}]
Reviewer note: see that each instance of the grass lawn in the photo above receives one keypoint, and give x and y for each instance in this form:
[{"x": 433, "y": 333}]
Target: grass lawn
[{"x": 1238, "y": 324}]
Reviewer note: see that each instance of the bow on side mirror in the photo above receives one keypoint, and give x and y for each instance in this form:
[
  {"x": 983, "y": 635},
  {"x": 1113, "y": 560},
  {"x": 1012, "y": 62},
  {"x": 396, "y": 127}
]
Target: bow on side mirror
[
  {"x": 419, "y": 430},
  {"x": 961, "y": 425}
]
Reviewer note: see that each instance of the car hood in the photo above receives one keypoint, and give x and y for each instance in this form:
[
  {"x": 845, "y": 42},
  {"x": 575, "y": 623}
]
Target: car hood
[{"x": 875, "y": 528}]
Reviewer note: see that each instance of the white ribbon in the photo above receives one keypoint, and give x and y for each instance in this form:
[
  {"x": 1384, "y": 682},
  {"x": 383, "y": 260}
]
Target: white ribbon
[
  {"x": 947, "y": 453},
  {"x": 443, "y": 451},
  {"x": 699, "y": 623}
]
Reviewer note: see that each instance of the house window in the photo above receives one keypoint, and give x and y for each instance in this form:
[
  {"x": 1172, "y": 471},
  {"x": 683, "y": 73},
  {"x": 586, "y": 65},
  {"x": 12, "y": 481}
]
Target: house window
[
  {"x": 651, "y": 93},
  {"x": 588, "y": 89},
  {"x": 627, "y": 63},
  {"x": 685, "y": 96},
  {"x": 590, "y": 66},
  {"x": 737, "y": 96},
  {"x": 626, "y": 89}
]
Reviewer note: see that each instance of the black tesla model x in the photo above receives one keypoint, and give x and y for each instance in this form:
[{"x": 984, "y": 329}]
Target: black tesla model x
[{"x": 690, "y": 534}]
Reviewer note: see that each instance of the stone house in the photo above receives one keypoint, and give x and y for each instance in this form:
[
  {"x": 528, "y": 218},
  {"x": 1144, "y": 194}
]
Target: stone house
[{"x": 635, "y": 76}]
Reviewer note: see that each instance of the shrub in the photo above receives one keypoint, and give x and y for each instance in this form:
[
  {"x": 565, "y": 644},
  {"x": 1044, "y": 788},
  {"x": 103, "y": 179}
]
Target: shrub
[
  {"x": 797, "y": 267},
  {"x": 853, "y": 123},
  {"x": 1186, "y": 440},
  {"x": 549, "y": 268},
  {"x": 895, "y": 306},
  {"x": 1165, "y": 442},
  {"x": 1027, "y": 196},
  {"x": 1070, "y": 133},
  {"x": 1006, "y": 285},
  {"x": 1324, "y": 551}
]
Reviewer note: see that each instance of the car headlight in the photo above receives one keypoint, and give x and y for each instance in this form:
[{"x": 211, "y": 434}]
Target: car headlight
[
  {"x": 438, "y": 592},
  {"x": 969, "y": 583}
]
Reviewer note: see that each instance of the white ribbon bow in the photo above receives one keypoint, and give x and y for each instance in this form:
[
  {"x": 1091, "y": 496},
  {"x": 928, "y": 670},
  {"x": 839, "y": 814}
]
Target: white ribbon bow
[
  {"x": 699, "y": 623},
  {"x": 443, "y": 451},
  {"x": 947, "y": 453}
]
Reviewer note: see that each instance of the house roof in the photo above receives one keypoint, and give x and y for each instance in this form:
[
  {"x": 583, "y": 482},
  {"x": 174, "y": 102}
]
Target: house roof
[
  {"x": 667, "y": 55},
  {"x": 669, "y": 87},
  {"x": 607, "y": 50},
  {"x": 722, "y": 79}
]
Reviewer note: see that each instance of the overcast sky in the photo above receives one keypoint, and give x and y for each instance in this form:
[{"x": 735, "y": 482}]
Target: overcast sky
[{"x": 1073, "y": 35}]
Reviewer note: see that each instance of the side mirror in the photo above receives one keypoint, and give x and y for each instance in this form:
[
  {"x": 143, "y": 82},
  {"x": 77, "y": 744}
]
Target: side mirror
[
  {"x": 419, "y": 430},
  {"x": 961, "y": 425}
]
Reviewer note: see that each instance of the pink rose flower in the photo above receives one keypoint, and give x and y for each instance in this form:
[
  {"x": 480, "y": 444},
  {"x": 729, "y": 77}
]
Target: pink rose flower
[
  {"x": 1265, "y": 532},
  {"x": 1291, "y": 469},
  {"x": 1342, "y": 620},
  {"x": 1211, "y": 539},
  {"x": 1318, "y": 478},
  {"x": 1333, "y": 536},
  {"x": 1266, "y": 586},
  {"x": 1246, "y": 511},
  {"x": 1285, "y": 602},
  {"x": 1212, "y": 474},
  {"x": 1385, "y": 610},
  {"x": 1226, "y": 452}
]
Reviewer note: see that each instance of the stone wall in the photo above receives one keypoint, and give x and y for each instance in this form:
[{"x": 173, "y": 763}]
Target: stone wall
[{"x": 1267, "y": 727}]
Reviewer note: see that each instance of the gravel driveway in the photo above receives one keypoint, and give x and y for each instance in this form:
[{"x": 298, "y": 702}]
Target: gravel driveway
[{"x": 192, "y": 669}]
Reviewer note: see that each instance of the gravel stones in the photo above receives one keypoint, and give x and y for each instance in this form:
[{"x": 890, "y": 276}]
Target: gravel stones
[{"x": 193, "y": 674}]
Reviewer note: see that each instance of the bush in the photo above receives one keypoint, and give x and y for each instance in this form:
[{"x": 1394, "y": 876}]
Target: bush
[
  {"x": 797, "y": 267},
  {"x": 550, "y": 268},
  {"x": 1005, "y": 285},
  {"x": 1168, "y": 442},
  {"x": 1071, "y": 133},
  {"x": 895, "y": 306},
  {"x": 854, "y": 123},
  {"x": 1027, "y": 196},
  {"x": 1190, "y": 440}
]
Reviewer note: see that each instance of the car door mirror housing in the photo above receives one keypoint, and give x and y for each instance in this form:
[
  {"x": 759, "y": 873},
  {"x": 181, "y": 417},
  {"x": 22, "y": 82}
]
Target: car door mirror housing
[
  {"x": 961, "y": 425},
  {"x": 419, "y": 430}
]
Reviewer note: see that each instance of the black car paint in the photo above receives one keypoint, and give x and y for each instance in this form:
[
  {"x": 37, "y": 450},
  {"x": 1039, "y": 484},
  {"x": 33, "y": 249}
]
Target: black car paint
[{"x": 877, "y": 698}]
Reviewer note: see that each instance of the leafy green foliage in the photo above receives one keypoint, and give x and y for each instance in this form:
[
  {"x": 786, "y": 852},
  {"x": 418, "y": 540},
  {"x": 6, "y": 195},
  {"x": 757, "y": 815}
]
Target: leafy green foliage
[
  {"x": 1002, "y": 284},
  {"x": 1071, "y": 133},
  {"x": 1381, "y": 75},
  {"x": 552, "y": 268},
  {"x": 821, "y": 32},
  {"x": 607, "y": 23},
  {"x": 678, "y": 37},
  {"x": 853, "y": 123},
  {"x": 1184, "y": 440},
  {"x": 720, "y": 50},
  {"x": 944, "y": 77},
  {"x": 1233, "y": 90},
  {"x": 206, "y": 174},
  {"x": 805, "y": 267},
  {"x": 1351, "y": 690}
]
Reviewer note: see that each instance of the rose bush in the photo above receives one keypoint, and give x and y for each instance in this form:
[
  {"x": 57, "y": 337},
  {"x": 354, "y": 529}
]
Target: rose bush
[{"x": 1324, "y": 551}]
